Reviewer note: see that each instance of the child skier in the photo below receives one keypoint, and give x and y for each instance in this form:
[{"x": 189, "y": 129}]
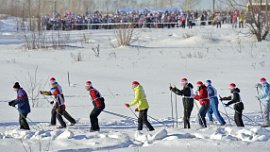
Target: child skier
[
  {"x": 99, "y": 106},
  {"x": 54, "y": 84},
  {"x": 202, "y": 97},
  {"x": 264, "y": 97},
  {"x": 23, "y": 105},
  {"x": 188, "y": 100},
  {"x": 142, "y": 106},
  {"x": 238, "y": 104},
  {"x": 59, "y": 107}
]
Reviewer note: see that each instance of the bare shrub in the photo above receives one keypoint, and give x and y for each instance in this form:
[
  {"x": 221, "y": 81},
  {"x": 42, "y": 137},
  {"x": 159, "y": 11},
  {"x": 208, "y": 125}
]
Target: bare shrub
[
  {"x": 96, "y": 50},
  {"x": 41, "y": 40},
  {"x": 76, "y": 57},
  {"x": 124, "y": 35},
  {"x": 35, "y": 40},
  {"x": 33, "y": 86},
  {"x": 198, "y": 55}
]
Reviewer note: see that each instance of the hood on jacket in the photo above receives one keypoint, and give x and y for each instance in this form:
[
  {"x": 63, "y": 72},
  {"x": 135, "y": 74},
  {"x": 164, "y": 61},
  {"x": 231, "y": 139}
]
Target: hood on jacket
[
  {"x": 190, "y": 85},
  {"x": 236, "y": 90}
]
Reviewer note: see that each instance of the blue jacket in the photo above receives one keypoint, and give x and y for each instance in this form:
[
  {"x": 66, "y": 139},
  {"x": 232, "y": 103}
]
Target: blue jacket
[
  {"x": 212, "y": 93},
  {"x": 264, "y": 94},
  {"x": 22, "y": 102}
]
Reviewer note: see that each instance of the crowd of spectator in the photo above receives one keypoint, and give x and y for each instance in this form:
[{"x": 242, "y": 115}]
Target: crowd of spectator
[{"x": 172, "y": 18}]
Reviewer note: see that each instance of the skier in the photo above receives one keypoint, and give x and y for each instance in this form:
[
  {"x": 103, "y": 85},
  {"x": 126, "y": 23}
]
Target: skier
[
  {"x": 99, "y": 105},
  {"x": 142, "y": 106},
  {"x": 188, "y": 100},
  {"x": 212, "y": 93},
  {"x": 238, "y": 104},
  {"x": 59, "y": 107},
  {"x": 23, "y": 105},
  {"x": 202, "y": 97},
  {"x": 264, "y": 97}
]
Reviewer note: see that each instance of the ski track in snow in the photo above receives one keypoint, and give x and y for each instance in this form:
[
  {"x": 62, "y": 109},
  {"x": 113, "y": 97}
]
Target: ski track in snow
[{"x": 120, "y": 134}]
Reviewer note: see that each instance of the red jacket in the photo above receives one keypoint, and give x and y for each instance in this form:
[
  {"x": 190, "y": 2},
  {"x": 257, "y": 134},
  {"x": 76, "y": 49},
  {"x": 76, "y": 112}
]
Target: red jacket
[
  {"x": 202, "y": 97},
  {"x": 97, "y": 100}
]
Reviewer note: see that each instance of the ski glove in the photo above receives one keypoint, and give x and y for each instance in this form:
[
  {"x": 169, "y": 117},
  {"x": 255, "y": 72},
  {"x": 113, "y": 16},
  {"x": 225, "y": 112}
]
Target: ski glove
[
  {"x": 52, "y": 102},
  {"x": 127, "y": 105},
  {"x": 12, "y": 103},
  {"x": 136, "y": 110}
]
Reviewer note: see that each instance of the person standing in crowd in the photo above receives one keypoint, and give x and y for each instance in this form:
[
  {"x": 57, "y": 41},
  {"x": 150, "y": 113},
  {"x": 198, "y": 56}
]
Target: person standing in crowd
[
  {"x": 263, "y": 88},
  {"x": 23, "y": 105},
  {"x": 142, "y": 106},
  {"x": 188, "y": 101},
  {"x": 99, "y": 105},
  {"x": 58, "y": 103},
  {"x": 202, "y": 97},
  {"x": 241, "y": 20},
  {"x": 212, "y": 93},
  {"x": 238, "y": 104},
  {"x": 218, "y": 20}
]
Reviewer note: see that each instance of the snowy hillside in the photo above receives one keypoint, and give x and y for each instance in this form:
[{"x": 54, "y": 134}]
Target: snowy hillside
[{"x": 158, "y": 58}]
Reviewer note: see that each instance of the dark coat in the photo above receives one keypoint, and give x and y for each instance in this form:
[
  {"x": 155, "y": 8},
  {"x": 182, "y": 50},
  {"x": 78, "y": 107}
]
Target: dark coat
[{"x": 22, "y": 102}]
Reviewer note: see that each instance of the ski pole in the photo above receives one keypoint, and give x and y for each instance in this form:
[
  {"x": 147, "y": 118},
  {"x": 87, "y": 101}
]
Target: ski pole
[
  {"x": 133, "y": 112},
  {"x": 245, "y": 116},
  {"x": 38, "y": 127},
  {"x": 176, "y": 112},
  {"x": 46, "y": 98},
  {"x": 260, "y": 102},
  {"x": 172, "y": 107},
  {"x": 226, "y": 113},
  {"x": 119, "y": 115},
  {"x": 158, "y": 121}
]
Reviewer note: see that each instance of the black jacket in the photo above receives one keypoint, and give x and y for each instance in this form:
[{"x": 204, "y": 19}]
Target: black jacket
[
  {"x": 234, "y": 98},
  {"x": 186, "y": 92}
]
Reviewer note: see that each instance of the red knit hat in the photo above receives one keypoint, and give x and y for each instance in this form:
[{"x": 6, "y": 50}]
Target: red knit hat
[
  {"x": 52, "y": 80},
  {"x": 88, "y": 84},
  {"x": 199, "y": 83},
  {"x": 232, "y": 86},
  {"x": 135, "y": 83},
  {"x": 262, "y": 80},
  {"x": 184, "y": 80}
]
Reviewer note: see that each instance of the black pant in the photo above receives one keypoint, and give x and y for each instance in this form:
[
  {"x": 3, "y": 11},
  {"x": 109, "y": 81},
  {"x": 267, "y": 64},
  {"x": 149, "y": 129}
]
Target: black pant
[
  {"x": 188, "y": 106},
  {"x": 66, "y": 115},
  {"x": 238, "y": 114},
  {"x": 53, "y": 116},
  {"x": 219, "y": 24},
  {"x": 23, "y": 122},
  {"x": 94, "y": 118},
  {"x": 143, "y": 120}
]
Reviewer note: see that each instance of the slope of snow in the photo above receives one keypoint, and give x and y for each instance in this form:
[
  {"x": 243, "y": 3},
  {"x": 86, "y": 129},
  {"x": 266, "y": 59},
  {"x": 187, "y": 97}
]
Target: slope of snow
[{"x": 158, "y": 58}]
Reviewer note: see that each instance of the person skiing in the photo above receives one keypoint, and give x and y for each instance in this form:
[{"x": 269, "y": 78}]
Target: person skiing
[
  {"x": 142, "y": 106},
  {"x": 187, "y": 99},
  {"x": 212, "y": 93},
  {"x": 202, "y": 97},
  {"x": 59, "y": 107},
  {"x": 23, "y": 106},
  {"x": 264, "y": 97},
  {"x": 54, "y": 84},
  {"x": 238, "y": 104},
  {"x": 99, "y": 105}
]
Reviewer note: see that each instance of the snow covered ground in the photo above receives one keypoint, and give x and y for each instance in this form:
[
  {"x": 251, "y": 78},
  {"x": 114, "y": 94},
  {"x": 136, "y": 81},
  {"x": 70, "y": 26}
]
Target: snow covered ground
[{"x": 158, "y": 58}]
